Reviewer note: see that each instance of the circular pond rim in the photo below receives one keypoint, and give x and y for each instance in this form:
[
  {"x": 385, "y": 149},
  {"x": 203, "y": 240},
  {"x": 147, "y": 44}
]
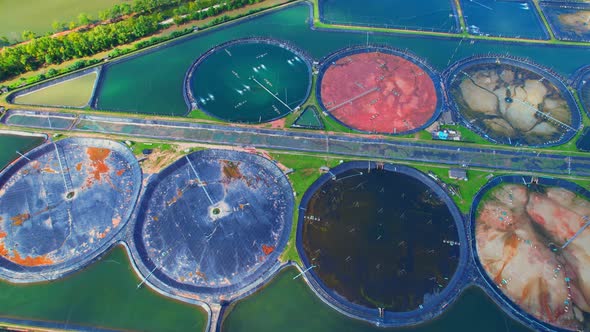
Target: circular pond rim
[
  {"x": 253, "y": 279},
  {"x": 192, "y": 103},
  {"x": 17, "y": 273},
  {"x": 578, "y": 83},
  {"x": 326, "y": 62},
  {"x": 491, "y": 289},
  {"x": 457, "y": 283},
  {"x": 451, "y": 72}
]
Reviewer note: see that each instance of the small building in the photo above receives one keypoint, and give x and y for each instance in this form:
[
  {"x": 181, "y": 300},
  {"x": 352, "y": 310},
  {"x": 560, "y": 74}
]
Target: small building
[
  {"x": 147, "y": 152},
  {"x": 458, "y": 174},
  {"x": 3, "y": 89},
  {"x": 446, "y": 135},
  {"x": 324, "y": 169}
]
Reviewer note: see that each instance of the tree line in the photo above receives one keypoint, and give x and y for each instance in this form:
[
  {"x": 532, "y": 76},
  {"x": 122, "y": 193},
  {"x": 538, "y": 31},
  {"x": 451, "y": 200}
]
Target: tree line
[
  {"x": 47, "y": 50},
  {"x": 110, "y": 15}
]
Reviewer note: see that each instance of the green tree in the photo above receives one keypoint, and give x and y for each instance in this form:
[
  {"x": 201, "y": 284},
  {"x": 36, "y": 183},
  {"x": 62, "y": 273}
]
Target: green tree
[
  {"x": 28, "y": 35},
  {"x": 115, "y": 11},
  {"x": 46, "y": 50},
  {"x": 58, "y": 26},
  {"x": 104, "y": 15},
  {"x": 126, "y": 9},
  {"x": 84, "y": 19}
]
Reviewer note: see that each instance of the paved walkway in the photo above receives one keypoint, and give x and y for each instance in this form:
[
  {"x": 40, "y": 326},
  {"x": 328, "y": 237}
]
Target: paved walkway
[{"x": 345, "y": 145}]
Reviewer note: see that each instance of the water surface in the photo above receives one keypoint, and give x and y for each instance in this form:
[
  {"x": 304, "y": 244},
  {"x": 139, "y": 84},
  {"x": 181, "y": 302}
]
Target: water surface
[
  {"x": 503, "y": 18},
  {"x": 381, "y": 239},
  {"x": 103, "y": 295},
  {"x": 12, "y": 144},
  {"x": 289, "y": 305},
  {"x": 153, "y": 81},
  {"x": 250, "y": 82},
  {"x": 437, "y": 15}
]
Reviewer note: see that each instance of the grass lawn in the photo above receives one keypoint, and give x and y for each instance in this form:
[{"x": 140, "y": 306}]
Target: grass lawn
[
  {"x": 306, "y": 171},
  {"x": 467, "y": 189},
  {"x": 39, "y": 15},
  {"x": 106, "y": 295},
  {"x": 75, "y": 93},
  {"x": 467, "y": 135},
  {"x": 200, "y": 115}
]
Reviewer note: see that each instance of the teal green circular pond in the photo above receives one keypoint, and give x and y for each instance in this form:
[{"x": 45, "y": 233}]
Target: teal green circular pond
[{"x": 249, "y": 81}]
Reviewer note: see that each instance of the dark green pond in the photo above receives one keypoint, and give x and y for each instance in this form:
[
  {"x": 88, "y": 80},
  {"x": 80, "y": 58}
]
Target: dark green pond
[
  {"x": 250, "y": 82},
  {"x": 103, "y": 295},
  {"x": 437, "y": 15},
  {"x": 503, "y": 18},
  {"x": 289, "y": 305},
  {"x": 10, "y": 144},
  {"x": 380, "y": 239},
  {"x": 152, "y": 83},
  {"x": 309, "y": 119}
]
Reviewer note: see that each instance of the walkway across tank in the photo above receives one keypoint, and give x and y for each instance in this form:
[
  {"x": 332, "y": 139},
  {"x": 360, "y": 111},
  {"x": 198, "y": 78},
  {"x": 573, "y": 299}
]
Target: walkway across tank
[
  {"x": 249, "y": 80},
  {"x": 214, "y": 222},
  {"x": 384, "y": 243},
  {"x": 533, "y": 248},
  {"x": 512, "y": 101},
  {"x": 63, "y": 204},
  {"x": 378, "y": 89}
]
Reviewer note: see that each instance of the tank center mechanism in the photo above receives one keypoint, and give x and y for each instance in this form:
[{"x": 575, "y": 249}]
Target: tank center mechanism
[{"x": 221, "y": 210}]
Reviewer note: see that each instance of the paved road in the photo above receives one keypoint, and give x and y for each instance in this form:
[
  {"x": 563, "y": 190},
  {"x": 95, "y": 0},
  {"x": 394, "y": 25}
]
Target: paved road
[{"x": 365, "y": 147}]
